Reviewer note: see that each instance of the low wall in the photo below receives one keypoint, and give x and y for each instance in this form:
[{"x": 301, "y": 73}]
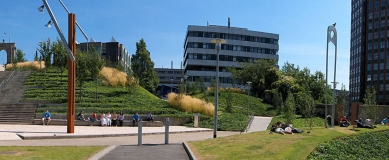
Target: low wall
[{"x": 173, "y": 121}]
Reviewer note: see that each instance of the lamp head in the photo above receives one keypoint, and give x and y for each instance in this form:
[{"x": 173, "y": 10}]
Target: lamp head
[
  {"x": 40, "y": 9},
  {"x": 48, "y": 25}
]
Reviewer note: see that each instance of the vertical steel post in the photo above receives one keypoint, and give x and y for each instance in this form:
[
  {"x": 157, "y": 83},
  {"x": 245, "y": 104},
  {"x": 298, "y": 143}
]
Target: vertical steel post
[
  {"x": 71, "y": 73},
  {"x": 139, "y": 133},
  {"x": 167, "y": 123}
]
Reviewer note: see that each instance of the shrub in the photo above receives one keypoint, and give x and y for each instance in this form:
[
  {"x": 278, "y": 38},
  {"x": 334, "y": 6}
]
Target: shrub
[
  {"x": 371, "y": 145},
  {"x": 114, "y": 77},
  {"x": 190, "y": 104},
  {"x": 34, "y": 65}
]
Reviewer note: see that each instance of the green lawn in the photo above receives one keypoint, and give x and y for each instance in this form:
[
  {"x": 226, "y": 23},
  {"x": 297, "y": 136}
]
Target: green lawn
[
  {"x": 49, "y": 152},
  {"x": 262, "y": 145}
]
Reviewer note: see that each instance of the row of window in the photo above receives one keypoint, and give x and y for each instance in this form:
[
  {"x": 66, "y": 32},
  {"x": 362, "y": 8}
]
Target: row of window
[
  {"x": 377, "y": 4},
  {"x": 221, "y": 57},
  {"x": 232, "y": 36},
  {"x": 169, "y": 72},
  {"x": 203, "y": 68},
  {"x": 232, "y": 48},
  {"x": 210, "y": 79}
]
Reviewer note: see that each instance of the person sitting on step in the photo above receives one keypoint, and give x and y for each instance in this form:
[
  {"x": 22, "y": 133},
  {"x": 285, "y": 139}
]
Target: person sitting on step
[{"x": 47, "y": 117}]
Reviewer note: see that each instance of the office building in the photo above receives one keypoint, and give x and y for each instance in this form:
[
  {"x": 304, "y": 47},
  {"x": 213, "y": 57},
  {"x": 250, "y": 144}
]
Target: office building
[
  {"x": 169, "y": 80},
  {"x": 369, "y": 49},
  {"x": 113, "y": 52},
  {"x": 242, "y": 45}
]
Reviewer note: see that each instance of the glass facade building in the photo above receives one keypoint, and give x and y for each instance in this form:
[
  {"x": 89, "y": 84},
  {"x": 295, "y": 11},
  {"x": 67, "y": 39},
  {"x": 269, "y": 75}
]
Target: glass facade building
[{"x": 369, "y": 49}]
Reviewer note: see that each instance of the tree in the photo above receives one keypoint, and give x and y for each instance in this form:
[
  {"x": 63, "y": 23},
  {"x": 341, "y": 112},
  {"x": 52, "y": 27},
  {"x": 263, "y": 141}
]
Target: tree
[
  {"x": 201, "y": 84},
  {"x": 308, "y": 106},
  {"x": 278, "y": 102},
  {"x": 229, "y": 99},
  {"x": 60, "y": 56},
  {"x": 370, "y": 106},
  {"x": 143, "y": 67},
  {"x": 46, "y": 52},
  {"x": 36, "y": 56},
  {"x": 289, "y": 110},
  {"x": 96, "y": 64},
  {"x": 255, "y": 73},
  {"x": 341, "y": 102},
  {"x": 82, "y": 69},
  {"x": 20, "y": 56}
]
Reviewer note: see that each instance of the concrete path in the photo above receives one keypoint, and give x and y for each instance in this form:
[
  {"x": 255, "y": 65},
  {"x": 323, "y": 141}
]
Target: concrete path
[
  {"x": 259, "y": 124},
  {"x": 121, "y": 142}
]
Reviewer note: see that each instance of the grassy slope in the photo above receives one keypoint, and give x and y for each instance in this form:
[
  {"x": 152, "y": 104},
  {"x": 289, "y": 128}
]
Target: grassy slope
[
  {"x": 262, "y": 145},
  {"x": 239, "y": 103},
  {"x": 49, "y": 152},
  {"x": 109, "y": 98}
]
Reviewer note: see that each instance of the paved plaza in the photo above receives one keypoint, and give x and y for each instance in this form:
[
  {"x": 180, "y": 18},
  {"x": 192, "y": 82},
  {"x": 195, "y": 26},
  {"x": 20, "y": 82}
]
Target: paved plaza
[{"x": 121, "y": 141}]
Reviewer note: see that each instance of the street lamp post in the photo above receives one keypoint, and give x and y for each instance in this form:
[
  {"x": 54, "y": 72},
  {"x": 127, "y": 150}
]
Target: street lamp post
[
  {"x": 171, "y": 85},
  {"x": 71, "y": 49},
  {"x": 248, "y": 95},
  {"x": 218, "y": 43},
  {"x": 331, "y": 38}
]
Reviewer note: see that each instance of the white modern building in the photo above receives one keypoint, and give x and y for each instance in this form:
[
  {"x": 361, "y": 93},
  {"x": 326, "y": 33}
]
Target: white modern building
[{"x": 242, "y": 45}]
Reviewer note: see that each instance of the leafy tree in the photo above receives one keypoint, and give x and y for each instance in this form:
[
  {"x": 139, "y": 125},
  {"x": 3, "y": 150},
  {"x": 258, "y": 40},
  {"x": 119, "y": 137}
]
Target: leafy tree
[
  {"x": 308, "y": 106},
  {"x": 181, "y": 88},
  {"x": 96, "y": 64},
  {"x": 278, "y": 102},
  {"x": 46, "y": 52},
  {"x": 201, "y": 84},
  {"x": 341, "y": 102},
  {"x": 255, "y": 73},
  {"x": 20, "y": 56},
  {"x": 60, "y": 56},
  {"x": 370, "y": 106},
  {"x": 143, "y": 67},
  {"x": 82, "y": 69},
  {"x": 36, "y": 56},
  {"x": 289, "y": 110},
  {"x": 229, "y": 99}
]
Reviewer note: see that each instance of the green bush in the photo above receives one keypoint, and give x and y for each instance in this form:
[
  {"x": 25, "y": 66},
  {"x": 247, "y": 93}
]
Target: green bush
[{"x": 370, "y": 145}]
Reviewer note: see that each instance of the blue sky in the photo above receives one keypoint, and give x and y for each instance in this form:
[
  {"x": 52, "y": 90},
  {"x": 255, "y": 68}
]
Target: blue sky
[{"x": 302, "y": 26}]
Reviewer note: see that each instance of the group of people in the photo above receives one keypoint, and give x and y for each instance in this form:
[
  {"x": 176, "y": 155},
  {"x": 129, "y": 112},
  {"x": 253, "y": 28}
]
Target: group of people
[
  {"x": 112, "y": 120},
  {"x": 284, "y": 129},
  {"x": 360, "y": 123}
]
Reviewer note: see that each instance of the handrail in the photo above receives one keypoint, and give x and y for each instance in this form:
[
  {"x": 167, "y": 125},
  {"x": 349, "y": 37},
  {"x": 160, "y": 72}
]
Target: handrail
[
  {"x": 248, "y": 124},
  {"x": 5, "y": 81}
]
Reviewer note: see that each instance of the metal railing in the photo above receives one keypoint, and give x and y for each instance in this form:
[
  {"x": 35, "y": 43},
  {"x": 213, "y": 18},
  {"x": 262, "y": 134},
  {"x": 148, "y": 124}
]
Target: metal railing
[
  {"x": 5, "y": 82},
  {"x": 248, "y": 124}
]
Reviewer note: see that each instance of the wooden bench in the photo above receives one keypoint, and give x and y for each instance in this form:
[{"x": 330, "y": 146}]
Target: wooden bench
[{"x": 97, "y": 123}]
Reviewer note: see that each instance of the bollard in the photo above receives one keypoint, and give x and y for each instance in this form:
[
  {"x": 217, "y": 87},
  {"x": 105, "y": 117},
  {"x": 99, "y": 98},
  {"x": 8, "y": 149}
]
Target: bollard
[
  {"x": 139, "y": 133},
  {"x": 167, "y": 123}
]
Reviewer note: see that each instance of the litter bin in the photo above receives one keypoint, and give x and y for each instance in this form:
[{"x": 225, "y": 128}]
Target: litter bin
[{"x": 196, "y": 120}]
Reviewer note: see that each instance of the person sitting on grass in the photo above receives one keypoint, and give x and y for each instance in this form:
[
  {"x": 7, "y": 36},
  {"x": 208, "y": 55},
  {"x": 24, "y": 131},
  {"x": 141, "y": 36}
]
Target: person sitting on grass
[
  {"x": 344, "y": 122},
  {"x": 384, "y": 121},
  {"x": 47, "y": 117},
  {"x": 360, "y": 125},
  {"x": 136, "y": 118}
]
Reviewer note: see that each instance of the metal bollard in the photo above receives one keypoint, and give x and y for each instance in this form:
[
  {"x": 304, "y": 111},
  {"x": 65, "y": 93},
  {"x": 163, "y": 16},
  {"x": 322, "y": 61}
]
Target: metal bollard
[
  {"x": 167, "y": 123},
  {"x": 139, "y": 133}
]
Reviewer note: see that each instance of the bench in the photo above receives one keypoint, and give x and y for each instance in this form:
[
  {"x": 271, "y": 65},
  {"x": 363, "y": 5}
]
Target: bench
[{"x": 97, "y": 123}]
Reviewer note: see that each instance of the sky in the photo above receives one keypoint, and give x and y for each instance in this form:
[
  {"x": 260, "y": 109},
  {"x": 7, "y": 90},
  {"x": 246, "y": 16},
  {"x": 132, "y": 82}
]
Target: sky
[{"x": 301, "y": 25}]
